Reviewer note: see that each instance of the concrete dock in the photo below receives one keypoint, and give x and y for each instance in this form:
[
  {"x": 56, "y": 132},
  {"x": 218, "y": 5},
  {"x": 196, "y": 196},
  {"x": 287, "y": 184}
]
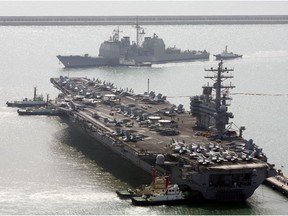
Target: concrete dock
[{"x": 278, "y": 182}]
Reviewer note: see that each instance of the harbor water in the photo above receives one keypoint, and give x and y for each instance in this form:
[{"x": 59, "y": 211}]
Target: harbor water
[{"x": 49, "y": 167}]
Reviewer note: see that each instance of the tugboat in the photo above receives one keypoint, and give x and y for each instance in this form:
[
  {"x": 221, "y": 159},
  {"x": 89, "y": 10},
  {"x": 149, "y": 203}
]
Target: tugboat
[
  {"x": 171, "y": 195},
  {"x": 158, "y": 193},
  {"x": 36, "y": 101},
  {"x": 227, "y": 55},
  {"x": 158, "y": 184}
]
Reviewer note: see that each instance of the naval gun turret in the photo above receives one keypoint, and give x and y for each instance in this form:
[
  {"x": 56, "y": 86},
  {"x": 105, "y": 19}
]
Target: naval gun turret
[{"x": 210, "y": 111}]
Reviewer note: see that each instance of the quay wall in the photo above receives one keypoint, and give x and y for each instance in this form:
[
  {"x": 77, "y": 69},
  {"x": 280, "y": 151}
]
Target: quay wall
[
  {"x": 278, "y": 184},
  {"x": 143, "y": 20}
]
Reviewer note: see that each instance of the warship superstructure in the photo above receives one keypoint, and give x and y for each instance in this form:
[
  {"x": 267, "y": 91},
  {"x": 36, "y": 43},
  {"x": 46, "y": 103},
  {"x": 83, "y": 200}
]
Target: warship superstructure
[
  {"x": 197, "y": 148},
  {"x": 152, "y": 50}
]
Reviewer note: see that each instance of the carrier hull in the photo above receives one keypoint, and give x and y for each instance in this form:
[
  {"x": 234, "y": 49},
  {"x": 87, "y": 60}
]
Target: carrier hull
[{"x": 209, "y": 184}]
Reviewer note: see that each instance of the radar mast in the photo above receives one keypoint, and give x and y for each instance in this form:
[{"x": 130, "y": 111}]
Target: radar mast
[
  {"x": 139, "y": 33},
  {"x": 116, "y": 33},
  {"x": 222, "y": 91}
]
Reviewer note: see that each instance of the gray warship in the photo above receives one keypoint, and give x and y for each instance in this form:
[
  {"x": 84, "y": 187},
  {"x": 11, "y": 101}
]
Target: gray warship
[
  {"x": 37, "y": 101},
  {"x": 113, "y": 51},
  {"x": 198, "y": 148}
]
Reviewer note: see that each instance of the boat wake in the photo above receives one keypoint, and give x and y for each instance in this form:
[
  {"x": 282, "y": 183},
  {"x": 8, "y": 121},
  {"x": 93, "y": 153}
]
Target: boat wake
[{"x": 268, "y": 54}]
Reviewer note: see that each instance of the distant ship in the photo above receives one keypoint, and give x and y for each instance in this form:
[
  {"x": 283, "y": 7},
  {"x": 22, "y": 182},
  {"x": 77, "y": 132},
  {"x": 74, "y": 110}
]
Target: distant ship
[
  {"x": 227, "y": 55},
  {"x": 38, "y": 100},
  {"x": 152, "y": 50}
]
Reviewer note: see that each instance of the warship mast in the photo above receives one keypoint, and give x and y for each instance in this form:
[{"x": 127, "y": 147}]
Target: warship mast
[
  {"x": 116, "y": 33},
  {"x": 139, "y": 33},
  {"x": 221, "y": 106}
]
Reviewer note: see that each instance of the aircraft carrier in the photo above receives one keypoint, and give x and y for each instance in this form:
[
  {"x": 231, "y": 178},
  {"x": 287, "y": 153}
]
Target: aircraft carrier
[
  {"x": 152, "y": 50},
  {"x": 197, "y": 148}
]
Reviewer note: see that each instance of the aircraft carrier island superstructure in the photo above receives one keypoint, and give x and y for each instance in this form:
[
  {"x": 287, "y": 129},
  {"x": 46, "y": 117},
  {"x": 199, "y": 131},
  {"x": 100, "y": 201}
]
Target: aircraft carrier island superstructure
[{"x": 196, "y": 148}]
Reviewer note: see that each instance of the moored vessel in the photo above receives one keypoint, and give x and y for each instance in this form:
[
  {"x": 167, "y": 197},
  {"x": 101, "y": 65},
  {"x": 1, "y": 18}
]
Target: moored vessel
[
  {"x": 172, "y": 195},
  {"x": 38, "y": 100},
  {"x": 158, "y": 184},
  {"x": 198, "y": 148},
  {"x": 48, "y": 111}
]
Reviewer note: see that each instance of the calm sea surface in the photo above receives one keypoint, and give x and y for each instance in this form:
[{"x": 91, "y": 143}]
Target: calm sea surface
[{"x": 47, "y": 167}]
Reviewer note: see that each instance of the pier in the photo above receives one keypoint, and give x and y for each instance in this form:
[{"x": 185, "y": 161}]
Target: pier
[
  {"x": 143, "y": 20},
  {"x": 278, "y": 182}
]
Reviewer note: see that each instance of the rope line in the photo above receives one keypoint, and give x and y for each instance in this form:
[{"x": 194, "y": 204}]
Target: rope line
[{"x": 238, "y": 93}]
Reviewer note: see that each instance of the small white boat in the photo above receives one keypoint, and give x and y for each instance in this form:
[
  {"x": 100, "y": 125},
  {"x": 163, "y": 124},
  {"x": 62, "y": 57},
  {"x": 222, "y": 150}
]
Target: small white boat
[
  {"x": 171, "y": 195},
  {"x": 158, "y": 184},
  {"x": 162, "y": 193},
  {"x": 227, "y": 55}
]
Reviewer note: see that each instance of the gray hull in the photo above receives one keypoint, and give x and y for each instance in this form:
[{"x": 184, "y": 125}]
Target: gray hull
[
  {"x": 26, "y": 103},
  {"x": 166, "y": 58},
  {"x": 220, "y": 57},
  {"x": 88, "y": 61},
  {"x": 198, "y": 182},
  {"x": 110, "y": 142}
]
